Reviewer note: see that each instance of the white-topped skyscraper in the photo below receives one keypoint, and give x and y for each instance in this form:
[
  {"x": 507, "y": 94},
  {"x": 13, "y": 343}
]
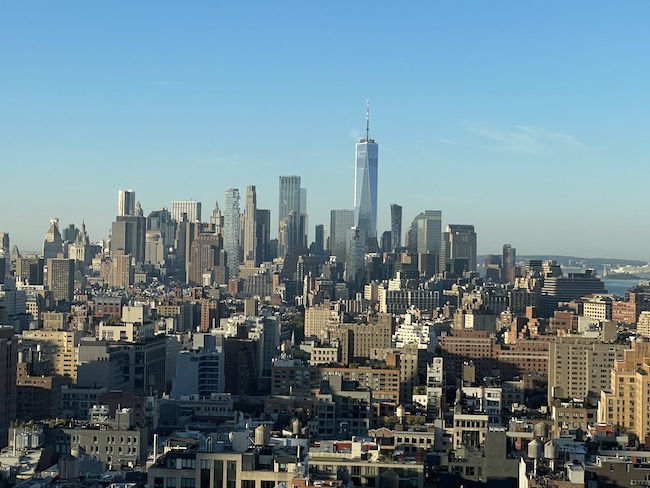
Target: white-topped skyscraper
[
  {"x": 365, "y": 183},
  {"x": 125, "y": 203},
  {"x": 189, "y": 207}
]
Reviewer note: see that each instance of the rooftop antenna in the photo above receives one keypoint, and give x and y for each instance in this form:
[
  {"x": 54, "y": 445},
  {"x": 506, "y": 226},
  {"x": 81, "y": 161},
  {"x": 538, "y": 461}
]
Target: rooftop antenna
[{"x": 367, "y": 120}]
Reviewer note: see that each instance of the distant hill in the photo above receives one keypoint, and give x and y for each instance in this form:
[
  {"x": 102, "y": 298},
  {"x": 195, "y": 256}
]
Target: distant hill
[{"x": 579, "y": 262}]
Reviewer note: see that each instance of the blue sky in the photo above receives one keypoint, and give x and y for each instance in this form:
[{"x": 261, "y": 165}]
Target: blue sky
[{"x": 527, "y": 119}]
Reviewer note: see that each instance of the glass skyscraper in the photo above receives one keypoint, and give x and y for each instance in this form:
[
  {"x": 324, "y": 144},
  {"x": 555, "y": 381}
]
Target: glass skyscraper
[
  {"x": 365, "y": 184},
  {"x": 395, "y": 226},
  {"x": 290, "y": 231},
  {"x": 231, "y": 230}
]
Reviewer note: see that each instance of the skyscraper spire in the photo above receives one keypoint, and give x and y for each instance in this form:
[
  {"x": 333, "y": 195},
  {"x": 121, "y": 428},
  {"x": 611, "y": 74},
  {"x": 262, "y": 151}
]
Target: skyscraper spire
[{"x": 367, "y": 120}]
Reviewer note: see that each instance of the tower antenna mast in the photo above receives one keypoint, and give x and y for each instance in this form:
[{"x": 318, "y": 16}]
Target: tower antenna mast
[{"x": 367, "y": 120}]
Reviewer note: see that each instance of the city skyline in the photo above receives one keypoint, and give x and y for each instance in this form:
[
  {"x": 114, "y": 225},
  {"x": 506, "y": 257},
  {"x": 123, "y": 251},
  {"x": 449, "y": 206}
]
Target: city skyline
[{"x": 533, "y": 139}]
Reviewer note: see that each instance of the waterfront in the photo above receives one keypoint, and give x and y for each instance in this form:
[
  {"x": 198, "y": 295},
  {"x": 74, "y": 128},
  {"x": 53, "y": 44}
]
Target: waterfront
[{"x": 619, "y": 287}]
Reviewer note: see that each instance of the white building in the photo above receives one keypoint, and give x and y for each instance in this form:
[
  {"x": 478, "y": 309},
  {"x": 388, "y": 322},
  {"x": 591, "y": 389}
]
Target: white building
[
  {"x": 200, "y": 371},
  {"x": 411, "y": 330},
  {"x": 189, "y": 207}
]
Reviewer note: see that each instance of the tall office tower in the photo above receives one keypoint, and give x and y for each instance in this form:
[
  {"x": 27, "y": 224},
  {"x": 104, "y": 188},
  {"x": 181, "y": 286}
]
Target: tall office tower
[
  {"x": 508, "y": 263},
  {"x": 340, "y": 223},
  {"x": 458, "y": 249},
  {"x": 30, "y": 269},
  {"x": 60, "y": 278},
  {"x": 425, "y": 233},
  {"x": 302, "y": 232},
  {"x": 53, "y": 243},
  {"x": 189, "y": 207},
  {"x": 354, "y": 256},
  {"x": 386, "y": 241},
  {"x": 395, "y": 225},
  {"x": 217, "y": 219},
  {"x": 4, "y": 244},
  {"x": 365, "y": 183},
  {"x": 263, "y": 235},
  {"x": 8, "y": 390},
  {"x": 203, "y": 257},
  {"x": 250, "y": 228},
  {"x": 70, "y": 233},
  {"x": 129, "y": 234},
  {"x": 122, "y": 273},
  {"x": 231, "y": 231},
  {"x": 319, "y": 239},
  {"x": 126, "y": 203},
  {"x": 289, "y": 215},
  {"x": 161, "y": 221},
  {"x": 4, "y": 253}
]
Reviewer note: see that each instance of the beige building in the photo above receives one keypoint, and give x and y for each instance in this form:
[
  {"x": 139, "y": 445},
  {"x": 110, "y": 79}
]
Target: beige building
[
  {"x": 60, "y": 347},
  {"x": 578, "y": 367},
  {"x": 121, "y": 270},
  {"x": 359, "y": 341},
  {"x": 571, "y": 415},
  {"x": 626, "y": 403},
  {"x": 324, "y": 355},
  {"x": 319, "y": 318},
  {"x": 599, "y": 307},
  {"x": 643, "y": 324}
]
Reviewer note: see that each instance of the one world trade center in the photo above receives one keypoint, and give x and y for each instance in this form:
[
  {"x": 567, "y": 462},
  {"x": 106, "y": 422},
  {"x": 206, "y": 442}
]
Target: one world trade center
[{"x": 365, "y": 183}]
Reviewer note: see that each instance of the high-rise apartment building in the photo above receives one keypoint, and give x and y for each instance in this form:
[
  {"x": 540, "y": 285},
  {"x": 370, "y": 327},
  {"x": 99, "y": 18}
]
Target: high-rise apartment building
[
  {"x": 395, "y": 226},
  {"x": 231, "y": 230},
  {"x": 365, "y": 183},
  {"x": 290, "y": 229},
  {"x": 625, "y": 402},
  {"x": 129, "y": 234},
  {"x": 250, "y": 227},
  {"x": 189, "y": 207},
  {"x": 341, "y": 221},
  {"x": 578, "y": 367},
  {"x": 60, "y": 278},
  {"x": 458, "y": 248},
  {"x": 126, "y": 203}
]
